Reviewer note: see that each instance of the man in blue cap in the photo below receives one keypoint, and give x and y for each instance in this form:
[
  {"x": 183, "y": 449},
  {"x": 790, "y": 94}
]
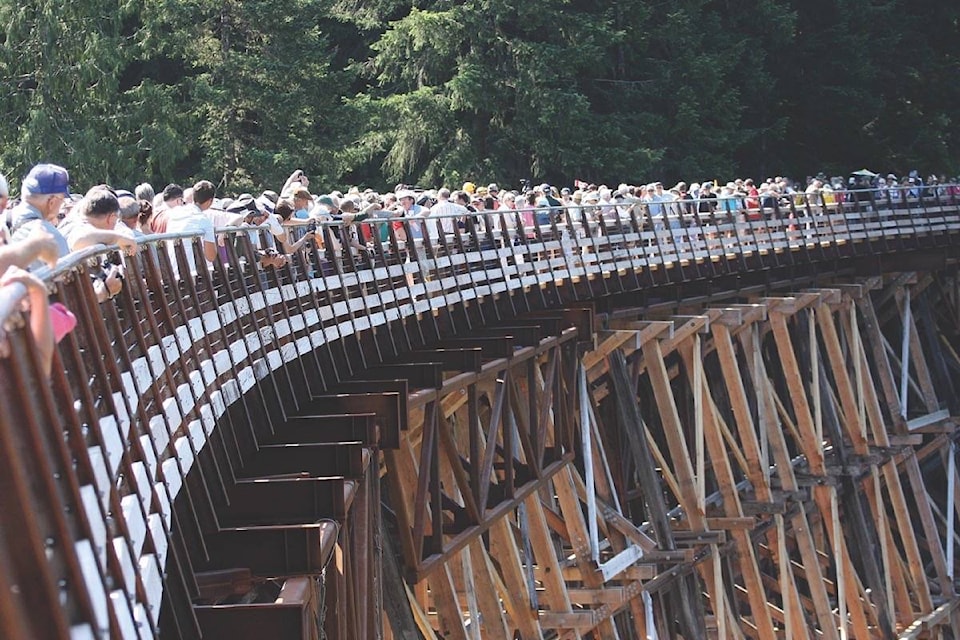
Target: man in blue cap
[{"x": 42, "y": 195}]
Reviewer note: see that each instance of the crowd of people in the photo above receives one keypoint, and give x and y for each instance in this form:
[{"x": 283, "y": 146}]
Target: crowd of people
[{"x": 48, "y": 221}]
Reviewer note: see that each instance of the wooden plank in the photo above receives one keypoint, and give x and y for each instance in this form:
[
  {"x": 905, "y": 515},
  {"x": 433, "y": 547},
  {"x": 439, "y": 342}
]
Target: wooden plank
[
  {"x": 493, "y": 623},
  {"x": 503, "y": 548},
  {"x": 744, "y": 421},
  {"x": 396, "y": 605},
  {"x": 930, "y": 621},
  {"x": 543, "y": 550},
  {"x": 930, "y": 531},
  {"x": 924, "y": 379},
  {"x": 874, "y": 336},
  {"x": 673, "y": 430},
  {"x": 801, "y": 406},
  {"x": 850, "y": 414}
]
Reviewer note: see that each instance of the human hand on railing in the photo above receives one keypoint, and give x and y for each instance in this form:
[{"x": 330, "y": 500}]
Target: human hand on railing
[{"x": 127, "y": 245}]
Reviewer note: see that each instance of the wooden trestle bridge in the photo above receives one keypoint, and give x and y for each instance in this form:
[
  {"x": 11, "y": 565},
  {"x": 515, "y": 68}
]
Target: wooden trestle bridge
[{"x": 724, "y": 425}]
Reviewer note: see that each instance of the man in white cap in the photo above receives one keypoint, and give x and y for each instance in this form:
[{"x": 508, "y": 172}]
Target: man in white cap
[{"x": 410, "y": 209}]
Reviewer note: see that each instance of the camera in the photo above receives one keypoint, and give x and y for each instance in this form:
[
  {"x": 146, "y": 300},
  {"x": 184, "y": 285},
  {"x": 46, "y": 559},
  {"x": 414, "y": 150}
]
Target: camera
[
  {"x": 312, "y": 226},
  {"x": 111, "y": 259}
]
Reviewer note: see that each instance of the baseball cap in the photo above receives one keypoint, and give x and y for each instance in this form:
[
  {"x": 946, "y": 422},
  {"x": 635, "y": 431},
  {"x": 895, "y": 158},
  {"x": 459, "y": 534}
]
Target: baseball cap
[
  {"x": 329, "y": 201},
  {"x": 244, "y": 204},
  {"x": 47, "y": 179}
]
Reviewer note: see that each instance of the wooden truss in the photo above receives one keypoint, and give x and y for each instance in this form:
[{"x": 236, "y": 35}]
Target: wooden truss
[{"x": 749, "y": 471}]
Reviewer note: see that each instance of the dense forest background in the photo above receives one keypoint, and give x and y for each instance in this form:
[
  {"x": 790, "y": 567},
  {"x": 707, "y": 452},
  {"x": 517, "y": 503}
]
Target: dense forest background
[{"x": 374, "y": 92}]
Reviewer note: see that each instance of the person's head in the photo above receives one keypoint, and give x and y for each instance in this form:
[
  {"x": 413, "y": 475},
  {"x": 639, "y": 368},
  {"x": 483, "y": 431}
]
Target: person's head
[
  {"x": 145, "y": 192},
  {"x": 406, "y": 198},
  {"x": 173, "y": 195},
  {"x": 443, "y": 194},
  {"x": 4, "y": 192},
  {"x": 101, "y": 208},
  {"x": 329, "y": 203},
  {"x": 45, "y": 188},
  {"x": 493, "y": 189},
  {"x": 247, "y": 206},
  {"x": 203, "y": 194},
  {"x": 509, "y": 199},
  {"x": 302, "y": 199},
  {"x": 284, "y": 209},
  {"x": 130, "y": 209}
]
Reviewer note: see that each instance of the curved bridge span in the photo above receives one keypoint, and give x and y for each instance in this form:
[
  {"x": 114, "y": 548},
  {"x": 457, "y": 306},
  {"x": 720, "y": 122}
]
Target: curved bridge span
[{"x": 721, "y": 425}]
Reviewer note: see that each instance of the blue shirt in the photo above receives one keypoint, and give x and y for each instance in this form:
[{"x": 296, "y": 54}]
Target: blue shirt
[{"x": 24, "y": 218}]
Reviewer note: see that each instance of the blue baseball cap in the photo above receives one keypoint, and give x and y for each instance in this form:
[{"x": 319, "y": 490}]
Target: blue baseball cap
[{"x": 47, "y": 179}]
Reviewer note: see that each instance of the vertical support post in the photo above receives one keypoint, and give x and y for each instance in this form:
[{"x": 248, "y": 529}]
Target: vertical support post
[
  {"x": 905, "y": 356},
  {"x": 698, "y": 423},
  {"x": 762, "y": 410},
  {"x": 651, "y": 621},
  {"x": 839, "y": 558},
  {"x": 815, "y": 377},
  {"x": 951, "y": 511},
  {"x": 719, "y": 607},
  {"x": 858, "y": 371},
  {"x": 586, "y": 437}
]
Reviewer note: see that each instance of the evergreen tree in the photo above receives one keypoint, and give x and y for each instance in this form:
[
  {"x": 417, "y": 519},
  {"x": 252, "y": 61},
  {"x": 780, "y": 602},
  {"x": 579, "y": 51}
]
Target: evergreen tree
[
  {"x": 489, "y": 89},
  {"x": 60, "y": 63},
  {"x": 257, "y": 83}
]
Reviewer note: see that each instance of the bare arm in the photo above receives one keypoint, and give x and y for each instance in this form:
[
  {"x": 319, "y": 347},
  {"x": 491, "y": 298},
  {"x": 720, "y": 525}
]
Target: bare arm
[
  {"x": 210, "y": 250},
  {"x": 99, "y": 236},
  {"x": 40, "y": 324},
  {"x": 39, "y": 245}
]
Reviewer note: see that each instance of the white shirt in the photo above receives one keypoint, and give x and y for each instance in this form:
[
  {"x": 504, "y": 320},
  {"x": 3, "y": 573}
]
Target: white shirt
[
  {"x": 188, "y": 218},
  {"x": 449, "y": 210}
]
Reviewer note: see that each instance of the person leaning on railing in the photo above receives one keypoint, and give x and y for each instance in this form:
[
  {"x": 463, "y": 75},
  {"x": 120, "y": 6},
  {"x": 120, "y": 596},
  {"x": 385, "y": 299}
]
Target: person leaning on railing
[
  {"x": 38, "y": 305},
  {"x": 93, "y": 221}
]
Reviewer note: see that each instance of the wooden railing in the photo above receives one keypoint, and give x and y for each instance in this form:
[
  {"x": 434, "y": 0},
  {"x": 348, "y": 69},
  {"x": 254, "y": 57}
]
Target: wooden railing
[{"x": 118, "y": 468}]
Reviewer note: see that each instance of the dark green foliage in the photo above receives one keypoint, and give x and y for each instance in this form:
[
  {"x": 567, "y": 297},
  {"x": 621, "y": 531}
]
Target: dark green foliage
[{"x": 434, "y": 91}]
